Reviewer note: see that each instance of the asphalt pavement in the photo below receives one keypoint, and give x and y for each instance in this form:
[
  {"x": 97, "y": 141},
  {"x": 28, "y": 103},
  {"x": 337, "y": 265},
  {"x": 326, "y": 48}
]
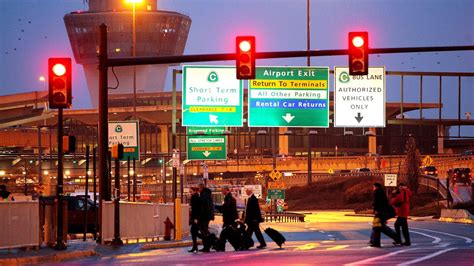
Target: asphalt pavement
[{"x": 326, "y": 238}]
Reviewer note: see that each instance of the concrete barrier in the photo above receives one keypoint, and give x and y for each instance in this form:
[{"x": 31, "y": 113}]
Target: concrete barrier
[
  {"x": 456, "y": 214},
  {"x": 19, "y": 224},
  {"x": 141, "y": 220}
]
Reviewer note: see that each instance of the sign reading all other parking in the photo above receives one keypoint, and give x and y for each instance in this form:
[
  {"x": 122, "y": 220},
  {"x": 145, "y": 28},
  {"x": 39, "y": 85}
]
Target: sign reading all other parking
[{"x": 359, "y": 101}]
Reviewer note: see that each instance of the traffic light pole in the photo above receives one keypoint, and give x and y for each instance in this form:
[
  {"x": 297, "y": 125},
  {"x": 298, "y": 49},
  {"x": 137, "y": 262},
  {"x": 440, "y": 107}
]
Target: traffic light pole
[
  {"x": 104, "y": 190},
  {"x": 60, "y": 244}
]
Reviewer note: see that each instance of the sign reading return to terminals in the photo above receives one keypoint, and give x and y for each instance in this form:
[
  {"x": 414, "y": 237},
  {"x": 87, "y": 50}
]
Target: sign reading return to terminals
[
  {"x": 359, "y": 101},
  {"x": 208, "y": 146},
  {"x": 211, "y": 97},
  {"x": 289, "y": 97},
  {"x": 125, "y": 133}
]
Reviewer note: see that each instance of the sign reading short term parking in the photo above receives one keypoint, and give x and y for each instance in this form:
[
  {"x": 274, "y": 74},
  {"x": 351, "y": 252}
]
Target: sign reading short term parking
[
  {"x": 359, "y": 101},
  {"x": 212, "y": 96}
]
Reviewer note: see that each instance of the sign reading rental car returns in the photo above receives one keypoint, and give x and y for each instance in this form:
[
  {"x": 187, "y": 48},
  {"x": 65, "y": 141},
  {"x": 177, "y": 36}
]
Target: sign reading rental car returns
[{"x": 359, "y": 101}]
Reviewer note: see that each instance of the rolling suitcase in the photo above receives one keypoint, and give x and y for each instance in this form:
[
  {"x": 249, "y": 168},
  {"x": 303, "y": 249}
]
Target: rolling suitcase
[
  {"x": 276, "y": 236},
  {"x": 247, "y": 240},
  {"x": 231, "y": 234}
]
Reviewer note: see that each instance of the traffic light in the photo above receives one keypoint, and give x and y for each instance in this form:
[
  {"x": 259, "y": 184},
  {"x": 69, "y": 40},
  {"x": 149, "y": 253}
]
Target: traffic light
[
  {"x": 245, "y": 57},
  {"x": 69, "y": 144},
  {"x": 59, "y": 81},
  {"x": 358, "y": 53},
  {"x": 117, "y": 151}
]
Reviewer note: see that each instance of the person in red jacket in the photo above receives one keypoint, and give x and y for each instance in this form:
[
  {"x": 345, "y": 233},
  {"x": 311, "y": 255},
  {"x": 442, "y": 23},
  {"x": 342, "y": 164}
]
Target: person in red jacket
[{"x": 401, "y": 202}]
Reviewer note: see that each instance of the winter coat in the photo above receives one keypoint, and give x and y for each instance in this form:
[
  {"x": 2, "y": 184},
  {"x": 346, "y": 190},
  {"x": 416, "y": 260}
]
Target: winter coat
[
  {"x": 401, "y": 202},
  {"x": 207, "y": 206},
  {"x": 195, "y": 208},
  {"x": 229, "y": 210},
  {"x": 382, "y": 209},
  {"x": 252, "y": 212}
]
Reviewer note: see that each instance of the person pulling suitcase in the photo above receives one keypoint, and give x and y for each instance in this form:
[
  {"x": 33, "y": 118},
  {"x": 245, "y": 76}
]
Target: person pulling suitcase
[{"x": 253, "y": 218}]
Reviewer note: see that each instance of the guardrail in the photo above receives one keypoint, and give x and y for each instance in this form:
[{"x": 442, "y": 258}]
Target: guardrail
[
  {"x": 284, "y": 217},
  {"x": 435, "y": 184}
]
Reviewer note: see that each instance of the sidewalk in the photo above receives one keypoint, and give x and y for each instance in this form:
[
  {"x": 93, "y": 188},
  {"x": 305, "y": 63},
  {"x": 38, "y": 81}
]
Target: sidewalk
[{"x": 78, "y": 249}]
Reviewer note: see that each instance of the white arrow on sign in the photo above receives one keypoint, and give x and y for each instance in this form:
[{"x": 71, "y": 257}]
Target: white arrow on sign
[
  {"x": 288, "y": 117},
  {"x": 206, "y": 153},
  {"x": 213, "y": 119}
]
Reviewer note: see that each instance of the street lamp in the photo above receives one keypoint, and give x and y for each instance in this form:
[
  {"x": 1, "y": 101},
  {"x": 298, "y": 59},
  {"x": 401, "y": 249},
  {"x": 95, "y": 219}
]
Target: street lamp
[
  {"x": 43, "y": 79},
  {"x": 134, "y": 42},
  {"x": 310, "y": 166}
]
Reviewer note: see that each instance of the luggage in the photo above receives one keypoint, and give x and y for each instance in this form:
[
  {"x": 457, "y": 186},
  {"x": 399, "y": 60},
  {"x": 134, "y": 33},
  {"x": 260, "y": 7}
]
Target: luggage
[
  {"x": 233, "y": 235},
  {"x": 276, "y": 236},
  {"x": 211, "y": 241},
  {"x": 247, "y": 240}
]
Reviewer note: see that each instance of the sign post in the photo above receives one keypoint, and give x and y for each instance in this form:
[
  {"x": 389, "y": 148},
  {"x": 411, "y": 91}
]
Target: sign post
[
  {"x": 212, "y": 96},
  {"x": 289, "y": 97},
  {"x": 359, "y": 101}
]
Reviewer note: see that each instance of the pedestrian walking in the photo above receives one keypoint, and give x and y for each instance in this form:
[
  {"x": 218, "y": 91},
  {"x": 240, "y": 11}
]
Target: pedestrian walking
[
  {"x": 194, "y": 216},
  {"x": 229, "y": 228},
  {"x": 253, "y": 218},
  {"x": 5, "y": 195},
  {"x": 229, "y": 208},
  {"x": 382, "y": 213},
  {"x": 206, "y": 213},
  {"x": 401, "y": 202}
]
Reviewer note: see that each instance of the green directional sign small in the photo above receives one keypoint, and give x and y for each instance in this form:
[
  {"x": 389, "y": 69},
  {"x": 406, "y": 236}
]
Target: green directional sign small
[
  {"x": 212, "y": 96},
  {"x": 202, "y": 144},
  {"x": 289, "y": 97},
  {"x": 276, "y": 194}
]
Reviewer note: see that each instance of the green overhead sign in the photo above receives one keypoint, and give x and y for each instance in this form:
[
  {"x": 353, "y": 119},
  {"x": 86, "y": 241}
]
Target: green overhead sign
[
  {"x": 289, "y": 97},
  {"x": 207, "y": 146},
  {"x": 212, "y": 96}
]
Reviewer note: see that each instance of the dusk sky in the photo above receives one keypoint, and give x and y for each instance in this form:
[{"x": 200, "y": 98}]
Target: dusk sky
[{"x": 33, "y": 30}]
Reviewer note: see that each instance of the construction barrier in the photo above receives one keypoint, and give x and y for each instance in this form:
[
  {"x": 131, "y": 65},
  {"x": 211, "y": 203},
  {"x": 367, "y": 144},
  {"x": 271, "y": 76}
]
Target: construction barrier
[{"x": 19, "y": 223}]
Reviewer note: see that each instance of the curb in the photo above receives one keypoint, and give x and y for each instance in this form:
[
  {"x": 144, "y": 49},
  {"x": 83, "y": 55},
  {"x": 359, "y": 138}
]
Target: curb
[
  {"x": 359, "y": 215},
  {"x": 168, "y": 245},
  {"x": 456, "y": 220},
  {"x": 49, "y": 258}
]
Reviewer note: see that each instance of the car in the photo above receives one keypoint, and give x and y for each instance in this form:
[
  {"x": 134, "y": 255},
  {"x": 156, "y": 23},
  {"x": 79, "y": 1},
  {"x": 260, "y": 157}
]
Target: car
[
  {"x": 362, "y": 170},
  {"x": 76, "y": 212},
  {"x": 460, "y": 175},
  {"x": 343, "y": 172},
  {"x": 429, "y": 170},
  {"x": 467, "y": 153}
]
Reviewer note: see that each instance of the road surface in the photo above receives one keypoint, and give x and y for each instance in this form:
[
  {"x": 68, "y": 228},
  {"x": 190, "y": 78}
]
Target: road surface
[{"x": 329, "y": 238}]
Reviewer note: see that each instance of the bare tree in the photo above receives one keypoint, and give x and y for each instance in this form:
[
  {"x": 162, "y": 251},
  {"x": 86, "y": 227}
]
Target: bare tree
[{"x": 412, "y": 163}]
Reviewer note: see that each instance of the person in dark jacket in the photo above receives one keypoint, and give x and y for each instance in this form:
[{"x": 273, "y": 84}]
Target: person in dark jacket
[
  {"x": 401, "y": 202},
  {"x": 5, "y": 195},
  {"x": 194, "y": 216},
  {"x": 379, "y": 224},
  {"x": 206, "y": 213},
  {"x": 253, "y": 218},
  {"x": 229, "y": 208}
]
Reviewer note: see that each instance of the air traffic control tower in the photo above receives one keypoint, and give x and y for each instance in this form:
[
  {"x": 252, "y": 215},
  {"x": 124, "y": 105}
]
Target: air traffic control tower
[{"x": 158, "y": 33}]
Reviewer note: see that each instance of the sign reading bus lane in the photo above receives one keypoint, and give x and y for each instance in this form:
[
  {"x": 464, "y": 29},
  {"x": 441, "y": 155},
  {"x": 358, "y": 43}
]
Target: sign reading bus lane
[{"x": 289, "y": 97}]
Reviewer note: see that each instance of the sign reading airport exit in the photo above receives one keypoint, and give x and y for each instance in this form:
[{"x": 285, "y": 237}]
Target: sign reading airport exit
[
  {"x": 289, "y": 97},
  {"x": 359, "y": 101},
  {"x": 211, "y": 97}
]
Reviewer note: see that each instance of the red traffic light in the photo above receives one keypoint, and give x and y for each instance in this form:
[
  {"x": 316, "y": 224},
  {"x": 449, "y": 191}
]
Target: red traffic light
[
  {"x": 245, "y": 57},
  {"x": 59, "y": 81},
  {"x": 358, "y": 53}
]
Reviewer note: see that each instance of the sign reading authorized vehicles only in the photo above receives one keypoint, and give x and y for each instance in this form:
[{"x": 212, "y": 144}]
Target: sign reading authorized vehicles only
[
  {"x": 211, "y": 97},
  {"x": 359, "y": 101},
  {"x": 289, "y": 97}
]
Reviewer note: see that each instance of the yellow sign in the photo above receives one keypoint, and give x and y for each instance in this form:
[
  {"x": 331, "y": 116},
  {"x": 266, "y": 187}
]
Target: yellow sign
[
  {"x": 277, "y": 185},
  {"x": 330, "y": 171},
  {"x": 275, "y": 175},
  {"x": 427, "y": 160}
]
